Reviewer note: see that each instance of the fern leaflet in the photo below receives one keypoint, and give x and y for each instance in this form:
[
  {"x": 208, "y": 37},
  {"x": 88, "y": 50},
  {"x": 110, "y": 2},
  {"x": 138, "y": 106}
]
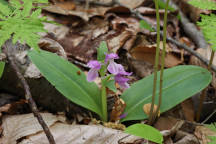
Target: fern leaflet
[
  {"x": 204, "y": 4},
  {"x": 21, "y": 22}
]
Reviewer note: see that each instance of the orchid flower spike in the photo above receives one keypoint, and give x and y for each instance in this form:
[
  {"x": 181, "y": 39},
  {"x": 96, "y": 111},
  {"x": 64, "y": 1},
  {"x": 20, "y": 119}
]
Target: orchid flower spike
[{"x": 93, "y": 72}]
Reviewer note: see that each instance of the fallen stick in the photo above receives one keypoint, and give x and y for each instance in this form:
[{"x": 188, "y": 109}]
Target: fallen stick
[{"x": 7, "y": 50}]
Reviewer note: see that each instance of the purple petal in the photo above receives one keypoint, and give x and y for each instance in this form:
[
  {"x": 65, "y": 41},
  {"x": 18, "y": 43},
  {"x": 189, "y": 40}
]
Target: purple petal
[
  {"x": 122, "y": 71},
  {"x": 120, "y": 79},
  {"x": 94, "y": 64},
  {"x": 111, "y": 56},
  {"x": 92, "y": 75},
  {"x": 123, "y": 115},
  {"x": 113, "y": 67},
  {"x": 124, "y": 85}
]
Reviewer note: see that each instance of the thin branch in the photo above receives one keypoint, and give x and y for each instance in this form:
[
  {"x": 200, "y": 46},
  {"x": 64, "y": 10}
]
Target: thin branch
[
  {"x": 109, "y": 4},
  {"x": 7, "y": 48},
  {"x": 203, "y": 122}
]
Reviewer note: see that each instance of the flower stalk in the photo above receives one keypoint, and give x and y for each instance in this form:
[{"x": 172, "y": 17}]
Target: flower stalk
[
  {"x": 162, "y": 59},
  {"x": 151, "y": 115},
  {"x": 117, "y": 73},
  {"x": 104, "y": 102}
]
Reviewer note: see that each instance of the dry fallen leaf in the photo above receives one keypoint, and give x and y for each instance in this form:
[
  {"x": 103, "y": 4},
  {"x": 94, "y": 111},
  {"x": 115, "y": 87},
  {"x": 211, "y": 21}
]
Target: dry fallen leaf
[
  {"x": 188, "y": 110},
  {"x": 147, "y": 108},
  {"x": 147, "y": 53},
  {"x": 202, "y": 134},
  {"x": 26, "y": 130},
  {"x": 117, "y": 109}
]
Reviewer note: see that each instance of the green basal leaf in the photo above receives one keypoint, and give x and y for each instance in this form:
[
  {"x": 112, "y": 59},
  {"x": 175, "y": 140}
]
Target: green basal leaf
[
  {"x": 145, "y": 25},
  {"x": 101, "y": 51},
  {"x": 2, "y": 65},
  {"x": 180, "y": 83},
  {"x": 68, "y": 79},
  {"x": 145, "y": 131}
]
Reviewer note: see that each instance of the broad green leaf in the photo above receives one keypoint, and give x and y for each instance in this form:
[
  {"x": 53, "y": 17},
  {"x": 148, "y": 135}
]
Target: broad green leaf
[
  {"x": 180, "y": 83},
  {"x": 2, "y": 65},
  {"x": 68, "y": 79},
  {"x": 145, "y": 25},
  {"x": 145, "y": 131},
  {"x": 101, "y": 51}
]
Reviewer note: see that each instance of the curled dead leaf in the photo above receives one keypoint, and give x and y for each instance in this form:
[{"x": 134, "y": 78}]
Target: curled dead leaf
[
  {"x": 117, "y": 109},
  {"x": 147, "y": 108}
]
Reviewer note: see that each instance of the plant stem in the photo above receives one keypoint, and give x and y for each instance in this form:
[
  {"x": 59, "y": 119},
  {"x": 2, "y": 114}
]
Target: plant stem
[
  {"x": 162, "y": 59},
  {"x": 156, "y": 62},
  {"x": 203, "y": 94},
  {"x": 104, "y": 102}
]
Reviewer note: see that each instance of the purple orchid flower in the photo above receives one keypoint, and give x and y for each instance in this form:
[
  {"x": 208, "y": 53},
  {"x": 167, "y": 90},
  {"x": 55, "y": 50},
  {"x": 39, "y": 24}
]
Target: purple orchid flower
[
  {"x": 123, "y": 115},
  {"x": 93, "y": 72},
  {"x": 117, "y": 70},
  {"x": 112, "y": 67},
  {"x": 122, "y": 81}
]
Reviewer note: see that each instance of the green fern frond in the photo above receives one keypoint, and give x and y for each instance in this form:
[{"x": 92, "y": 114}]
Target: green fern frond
[
  {"x": 21, "y": 22},
  {"x": 204, "y": 4},
  {"x": 5, "y": 10},
  {"x": 208, "y": 26},
  {"x": 208, "y": 23}
]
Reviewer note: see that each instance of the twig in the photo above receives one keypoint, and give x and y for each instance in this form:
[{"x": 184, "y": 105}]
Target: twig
[
  {"x": 7, "y": 50},
  {"x": 203, "y": 122},
  {"x": 109, "y": 4}
]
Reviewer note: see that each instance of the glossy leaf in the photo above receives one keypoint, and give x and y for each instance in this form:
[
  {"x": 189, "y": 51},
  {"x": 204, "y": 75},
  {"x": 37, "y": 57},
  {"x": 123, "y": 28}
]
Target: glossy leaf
[
  {"x": 180, "y": 83},
  {"x": 68, "y": 79},
  {"x": 145, "y": 131}
]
